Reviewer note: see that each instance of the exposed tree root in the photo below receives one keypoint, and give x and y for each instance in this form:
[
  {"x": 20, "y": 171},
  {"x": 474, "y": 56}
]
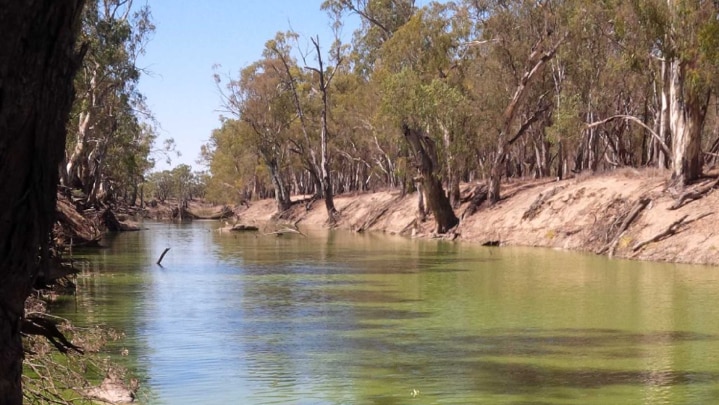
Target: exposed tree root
[{"x": 41, "y": 325}]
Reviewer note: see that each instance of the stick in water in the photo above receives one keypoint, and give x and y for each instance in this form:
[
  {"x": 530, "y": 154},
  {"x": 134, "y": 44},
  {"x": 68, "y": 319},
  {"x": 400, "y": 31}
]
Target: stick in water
[{"x": 162, "y": 256}]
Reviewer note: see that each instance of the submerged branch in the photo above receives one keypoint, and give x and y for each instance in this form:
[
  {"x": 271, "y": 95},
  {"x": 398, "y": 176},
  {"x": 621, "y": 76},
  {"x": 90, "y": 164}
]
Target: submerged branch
[{"x": 162, "y": 256}]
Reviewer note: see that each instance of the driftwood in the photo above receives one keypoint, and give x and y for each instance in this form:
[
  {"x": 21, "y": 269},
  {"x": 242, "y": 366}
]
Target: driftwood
[
  {"x": 537, "y": 205},
  {"x": 162, "y": 256},
  {"x": 72, "y": 228},
  {"x": 671, "y": 230},
  {"x": 244, "y": 228},
  {"x": 283, "y": 231},
  {"x": 638, "y": 207},
  {"x": 694, "y": 194}
]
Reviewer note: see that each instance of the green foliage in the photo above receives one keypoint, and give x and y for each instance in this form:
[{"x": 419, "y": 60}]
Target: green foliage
[
  {"x": 111, "y": 132},
  {"x": 451, "y": 69},
  {"x": 234, "y": 167},
  {"x": 180, "y": 183}
]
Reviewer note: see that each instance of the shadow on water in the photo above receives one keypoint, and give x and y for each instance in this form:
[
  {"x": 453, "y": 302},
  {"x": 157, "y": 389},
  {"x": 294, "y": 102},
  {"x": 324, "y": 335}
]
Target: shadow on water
[
  {"x": 347, "y": 318},
  {"x": 497, "y": 362}
]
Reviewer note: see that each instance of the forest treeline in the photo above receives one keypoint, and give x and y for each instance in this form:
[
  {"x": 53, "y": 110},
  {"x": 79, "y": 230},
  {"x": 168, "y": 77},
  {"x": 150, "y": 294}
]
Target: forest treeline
[{"x": 471, "y": 91}]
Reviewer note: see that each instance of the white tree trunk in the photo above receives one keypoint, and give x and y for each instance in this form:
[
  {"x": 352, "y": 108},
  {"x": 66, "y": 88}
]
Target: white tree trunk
[{"x": 687, "y": 111}]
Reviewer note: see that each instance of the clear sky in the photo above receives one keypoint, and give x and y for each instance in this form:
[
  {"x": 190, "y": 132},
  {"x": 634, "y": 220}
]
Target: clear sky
[{"x": 191, "y": 37}]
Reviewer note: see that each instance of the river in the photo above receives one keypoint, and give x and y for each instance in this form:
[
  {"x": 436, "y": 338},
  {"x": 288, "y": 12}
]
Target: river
[{"x": 335, "y": 317}]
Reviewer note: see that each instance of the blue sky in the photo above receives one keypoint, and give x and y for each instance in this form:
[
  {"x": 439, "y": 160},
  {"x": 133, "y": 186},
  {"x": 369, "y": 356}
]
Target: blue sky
[{"x": 191, "y": 37}]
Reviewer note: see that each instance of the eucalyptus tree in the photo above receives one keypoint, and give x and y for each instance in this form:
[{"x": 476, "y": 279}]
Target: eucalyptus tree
[
  {"x": 233, "y": 161},
  {"x": 261, "y": 100},
  {"x": 422, "y": 93},
  {"x": 513, "y": 61},
  {"x": 37, "y": 62},
  {"x": 368, "y": 150},
  {"x": 108, "y": 109},
  {"x": 688, "y": 41},
  {"x": 380, "y": 19},
  {"x": 128, "y": 161},
  {"x": 310, "y": 91},
  {"x": 322, "y": 79},
  {"x": 669, "y": 47},
  {"x": 161, "y": 185},
  {"x": 296, "y": 85}
]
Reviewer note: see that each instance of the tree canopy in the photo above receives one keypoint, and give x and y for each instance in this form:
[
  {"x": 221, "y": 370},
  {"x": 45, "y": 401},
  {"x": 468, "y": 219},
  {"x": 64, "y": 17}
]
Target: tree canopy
[{"x": 498, "y": 89}]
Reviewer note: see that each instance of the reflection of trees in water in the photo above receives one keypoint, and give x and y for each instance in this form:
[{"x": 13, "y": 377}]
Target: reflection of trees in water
[{"x": 314, "y": 309}]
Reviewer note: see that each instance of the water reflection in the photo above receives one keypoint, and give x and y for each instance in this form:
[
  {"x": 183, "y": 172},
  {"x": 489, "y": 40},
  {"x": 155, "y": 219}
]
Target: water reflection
[{"x": 336, "y": 318}]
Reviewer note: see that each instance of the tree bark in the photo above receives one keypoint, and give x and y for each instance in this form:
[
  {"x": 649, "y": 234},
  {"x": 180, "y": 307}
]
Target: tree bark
[
  {"x": 282, "y": 195},
  {"x": 687, "y": 105},
  {"x": 437, "y": 200},
  {"x": 687, "y": 113},
  {"x": 37, "y": 66}
]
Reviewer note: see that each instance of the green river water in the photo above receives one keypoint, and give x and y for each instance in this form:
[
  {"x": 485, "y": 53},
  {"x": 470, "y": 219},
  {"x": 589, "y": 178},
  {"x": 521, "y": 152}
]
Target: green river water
[{"x": 343, "y": 318}]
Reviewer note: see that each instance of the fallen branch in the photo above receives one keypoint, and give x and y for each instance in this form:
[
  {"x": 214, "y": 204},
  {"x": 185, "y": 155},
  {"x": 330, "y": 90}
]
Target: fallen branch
[
  {"x": 639, "y": 122},
  {"x": 162, "y": 256},
  {"x": 36, "y": 324},
  {"x": 633, "y": 214},
  {"x": 671, "y": 230},
  {"x": 285, "y": 230},
  {"x": 694, "y": 194},
  {"x": 476, "y": 198},
  {"x": 537, "y": 205},
  {"x": 244, "y": 228}
]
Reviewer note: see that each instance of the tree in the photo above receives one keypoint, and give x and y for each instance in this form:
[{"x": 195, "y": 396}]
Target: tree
[
  {"x": 324, "y": 79},
  {"x": 109, "y": 110},
  {"x": 380, "y": 20},
  {"x": 689, "y": 64},
  {"x": 37, "y": 64},
  {"x": 426, "y": 157},
  {"x": 263, "y": 103},
  {"x": 233, "y": 161},
  {"x": 183, "y": 180}
]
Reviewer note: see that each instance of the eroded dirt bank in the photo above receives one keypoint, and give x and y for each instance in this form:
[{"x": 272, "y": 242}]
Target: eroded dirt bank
[{"x": 626, "y": 213}]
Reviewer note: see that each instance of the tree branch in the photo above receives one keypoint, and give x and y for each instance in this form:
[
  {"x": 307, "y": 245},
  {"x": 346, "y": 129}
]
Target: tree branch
[{"x": 636, "y": 120}]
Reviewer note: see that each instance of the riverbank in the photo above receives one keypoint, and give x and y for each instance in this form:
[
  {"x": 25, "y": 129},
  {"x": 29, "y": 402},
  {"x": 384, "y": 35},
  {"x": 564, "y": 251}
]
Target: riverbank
[{"x": 625, "y": 214}]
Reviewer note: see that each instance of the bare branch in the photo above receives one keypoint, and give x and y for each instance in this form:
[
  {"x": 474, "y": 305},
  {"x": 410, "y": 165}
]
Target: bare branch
[{"x": 636, "y": 120}]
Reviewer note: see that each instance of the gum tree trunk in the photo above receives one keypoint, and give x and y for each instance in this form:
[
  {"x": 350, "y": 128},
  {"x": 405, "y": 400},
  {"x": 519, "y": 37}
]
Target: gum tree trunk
[
  {"x": 687, "y": 111},
  {"x": 437, "y": 200},
  {"x": 37, "y": 66}
]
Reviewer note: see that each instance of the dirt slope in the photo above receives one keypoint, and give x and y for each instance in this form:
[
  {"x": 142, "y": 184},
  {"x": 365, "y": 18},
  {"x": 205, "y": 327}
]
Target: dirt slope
[{"x": 584, "y": 213}]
